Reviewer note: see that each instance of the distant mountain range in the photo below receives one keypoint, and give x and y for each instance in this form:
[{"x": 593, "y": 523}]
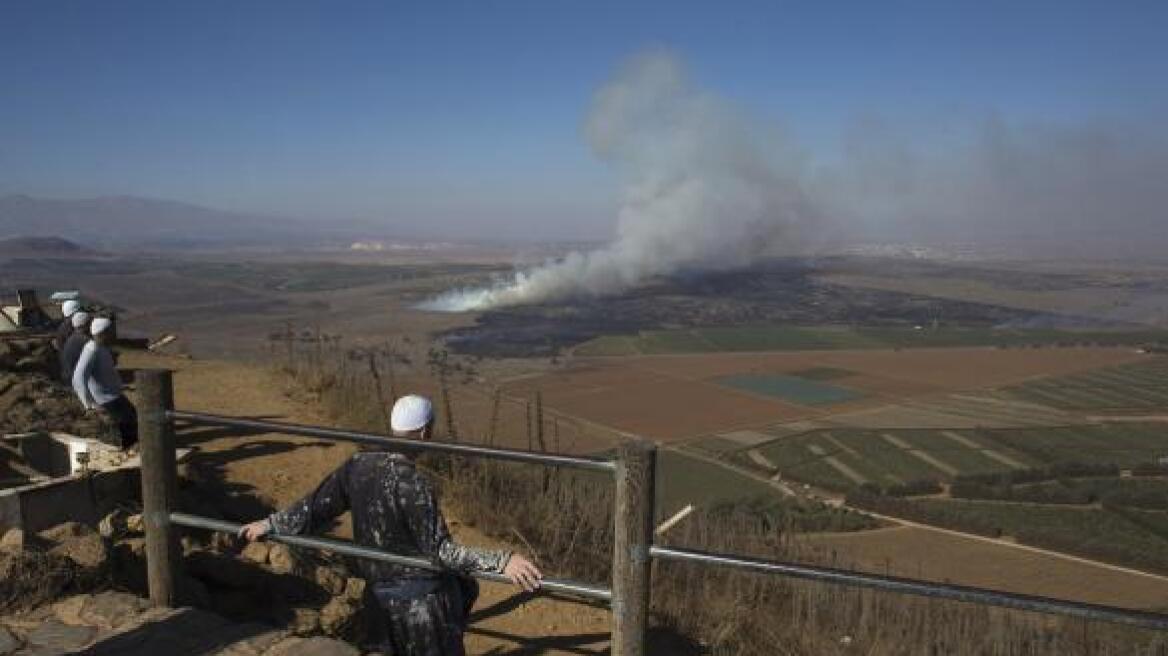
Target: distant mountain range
[
  {"x": 43, "y": 246},
  {"x": 127, "y": 222}
]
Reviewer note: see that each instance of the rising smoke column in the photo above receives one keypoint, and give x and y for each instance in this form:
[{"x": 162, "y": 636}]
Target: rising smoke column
[{"x": 701, "y": 190}]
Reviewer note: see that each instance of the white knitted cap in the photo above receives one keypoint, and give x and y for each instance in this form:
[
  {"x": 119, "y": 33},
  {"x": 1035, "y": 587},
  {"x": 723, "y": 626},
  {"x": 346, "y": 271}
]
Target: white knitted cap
[
  {"x": 79, "y": 318},
  {"x": 411, "y": 413},
  {"x": 99, "y": 325}
]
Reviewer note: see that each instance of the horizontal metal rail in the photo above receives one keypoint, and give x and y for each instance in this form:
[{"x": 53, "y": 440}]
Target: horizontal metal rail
[
  {"x": 557, "y": 460},
  {"x": 1111, "y": 614},
  {"x": 355, "y": 550}
]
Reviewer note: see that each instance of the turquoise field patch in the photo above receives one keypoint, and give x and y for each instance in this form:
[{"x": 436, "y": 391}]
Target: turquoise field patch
[{"x": 791, "y": 388}]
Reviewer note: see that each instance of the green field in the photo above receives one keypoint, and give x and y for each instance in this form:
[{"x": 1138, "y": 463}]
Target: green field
[
  {"x": 608, "y": 345},
  {"x": 682, "y": 480},
  {"x": 673, "y": 341},
  {"x": 1091, "y": 532},
  {"x": 799, "y": 338},
  {"x": 1150, "y": 493},
  {"x": 876, "y": 459},
  {"x": 901, "y": 458},
  {"x": 1123, "y": 444},
  {"x": 1135, "y": 388},
  {"x": 791, "y": 388}
]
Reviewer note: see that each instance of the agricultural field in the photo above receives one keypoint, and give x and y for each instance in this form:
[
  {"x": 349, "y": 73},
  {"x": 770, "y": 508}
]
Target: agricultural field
[
  {"x": 1140, "y": 387},
  {"x": 898, "y": 428},
  {"x": 841, "y": 459},
  {"x": 812, "y": 338},
  {"x": 1097, "y": 533},
  {"x": 803, "y": 391},
  {"x": 981, "y": 409},
  {"x": 684, "y": 480},
  {"x": 1134, "y": 492},
  {"x": 893, "y": 373},
  {"x": 1122, "y": 444},
  {"x": 919, "y": 552},
  {"x": 682, "y": 397}
]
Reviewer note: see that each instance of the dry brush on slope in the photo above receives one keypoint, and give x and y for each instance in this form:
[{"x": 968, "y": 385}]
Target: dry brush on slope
[{"x": 564, "y": 518}]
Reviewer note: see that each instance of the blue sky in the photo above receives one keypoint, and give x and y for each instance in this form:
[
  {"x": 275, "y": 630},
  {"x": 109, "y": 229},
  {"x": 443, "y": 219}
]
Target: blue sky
[{"x": 467, "y": 116}]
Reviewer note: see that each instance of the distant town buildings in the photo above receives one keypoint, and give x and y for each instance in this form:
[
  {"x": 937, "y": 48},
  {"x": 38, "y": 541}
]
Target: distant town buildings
[{"x": 384, "y": 246}]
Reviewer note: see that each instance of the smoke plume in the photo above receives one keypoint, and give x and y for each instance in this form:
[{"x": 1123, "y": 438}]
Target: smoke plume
[{"x": 702, "y": 189}]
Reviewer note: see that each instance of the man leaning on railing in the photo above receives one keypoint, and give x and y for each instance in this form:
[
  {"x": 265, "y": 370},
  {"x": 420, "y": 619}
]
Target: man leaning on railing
[{"x": 395, "y": 509}]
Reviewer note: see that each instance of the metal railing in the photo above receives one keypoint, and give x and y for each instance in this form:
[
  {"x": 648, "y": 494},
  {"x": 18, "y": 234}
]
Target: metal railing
[
  {"x": 346, "y": 548},
  {"x": 948, "y": 591},
  {"x": 634, "y": 469},
  {"x": 554, "y": 460}
]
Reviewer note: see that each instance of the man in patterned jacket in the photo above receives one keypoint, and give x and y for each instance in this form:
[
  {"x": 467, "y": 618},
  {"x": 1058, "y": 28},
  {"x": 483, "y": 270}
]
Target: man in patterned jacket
[{"x": 395, "y": 509}]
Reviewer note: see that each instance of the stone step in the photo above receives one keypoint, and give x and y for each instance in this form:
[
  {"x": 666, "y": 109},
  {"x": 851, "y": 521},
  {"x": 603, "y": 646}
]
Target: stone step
[{"x": 120, "y": 624}]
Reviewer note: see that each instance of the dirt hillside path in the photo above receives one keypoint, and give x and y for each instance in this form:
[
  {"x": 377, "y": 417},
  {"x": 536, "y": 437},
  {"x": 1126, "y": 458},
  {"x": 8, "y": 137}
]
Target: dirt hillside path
[{"x": 281, "y": 468}]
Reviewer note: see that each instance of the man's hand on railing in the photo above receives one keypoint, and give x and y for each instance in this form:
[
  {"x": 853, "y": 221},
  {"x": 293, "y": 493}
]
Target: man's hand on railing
[
  {"x": 523, "y": 573},
  {"x": 255, "y": 530}
]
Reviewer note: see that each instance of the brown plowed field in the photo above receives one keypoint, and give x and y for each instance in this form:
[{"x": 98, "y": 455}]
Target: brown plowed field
[
  {"x": 674, "y": 409},
  {"x": 939, "y": 368},
  {"x": 676, "y": 396},
  {"x": 650, "y": 404}
]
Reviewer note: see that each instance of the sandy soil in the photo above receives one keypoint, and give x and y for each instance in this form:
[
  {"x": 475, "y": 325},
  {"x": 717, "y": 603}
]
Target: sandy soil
[{"x": 280, "y": 468}]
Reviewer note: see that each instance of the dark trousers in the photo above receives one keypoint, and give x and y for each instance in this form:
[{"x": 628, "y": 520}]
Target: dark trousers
[
  {"x": 429, "y": 624},
  {"x": 125, "y": 416}
]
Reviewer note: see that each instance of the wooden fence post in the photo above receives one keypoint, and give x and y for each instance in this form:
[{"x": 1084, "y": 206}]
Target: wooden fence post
[
  {"x": 159, "y": 484},
  {"x": 633, "y": 534}
]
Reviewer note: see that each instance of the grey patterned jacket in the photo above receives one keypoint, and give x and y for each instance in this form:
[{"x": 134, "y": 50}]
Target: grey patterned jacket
[{"x": 394, "y": 509}]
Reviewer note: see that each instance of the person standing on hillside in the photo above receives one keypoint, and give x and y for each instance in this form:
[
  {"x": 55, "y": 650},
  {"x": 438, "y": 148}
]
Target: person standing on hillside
[
  {"x": 71, "y": 351},
  {"x": 395, "y": 509},
  {"x": 65, "y": 328},
  {"x": 98, "y": 384}
]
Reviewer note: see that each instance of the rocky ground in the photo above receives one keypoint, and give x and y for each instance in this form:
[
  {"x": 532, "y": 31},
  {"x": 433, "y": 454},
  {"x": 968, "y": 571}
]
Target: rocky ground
[
  {"x": 31, "y": 396},
  {"x": 72, "y": 588},
  {"x": 112, "y": 623}
]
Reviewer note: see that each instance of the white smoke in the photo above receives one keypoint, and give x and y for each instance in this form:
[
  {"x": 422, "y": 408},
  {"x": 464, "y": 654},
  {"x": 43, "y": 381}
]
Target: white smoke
[{"x": 702, "y": 189}]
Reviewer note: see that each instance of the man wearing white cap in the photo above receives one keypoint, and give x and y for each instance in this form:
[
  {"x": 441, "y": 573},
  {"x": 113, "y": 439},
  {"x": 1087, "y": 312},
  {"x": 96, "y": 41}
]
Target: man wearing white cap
[
  {"x": 65, "y": 328},
  {"x": 395, "y": 509},
  {"x": 98, "y": 385},
  {"x": 71, "y": 351}
]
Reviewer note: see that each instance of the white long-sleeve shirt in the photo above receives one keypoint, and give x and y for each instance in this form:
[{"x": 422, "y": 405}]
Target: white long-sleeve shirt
[{"x": 95, "y": 379}]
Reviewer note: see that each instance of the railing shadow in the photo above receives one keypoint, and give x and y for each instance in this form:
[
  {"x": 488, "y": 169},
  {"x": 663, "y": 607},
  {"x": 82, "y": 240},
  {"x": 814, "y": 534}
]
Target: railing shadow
[
  {"x": 186, "y": 632},
  {"x": 658, "y": 640},
  {"x": 191, "y": 434},
  {"x": 208, "y": 468}
]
